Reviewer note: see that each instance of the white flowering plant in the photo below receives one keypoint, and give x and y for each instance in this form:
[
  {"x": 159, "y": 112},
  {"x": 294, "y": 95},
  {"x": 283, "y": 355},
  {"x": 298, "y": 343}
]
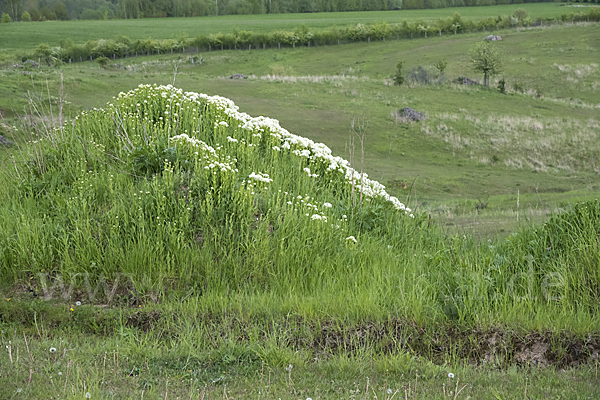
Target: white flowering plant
[
  {"x": 224, "y": 149},
  {"x": 164, "y": 169}
]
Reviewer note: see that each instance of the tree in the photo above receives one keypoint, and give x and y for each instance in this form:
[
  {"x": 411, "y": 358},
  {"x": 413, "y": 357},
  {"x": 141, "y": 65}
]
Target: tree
[
  {"x": 25, "y": 17},
  {"x": 14, "y": 9},
  {"x": 60, "y": 11},
  {"x": 399, "y": 76},
  {"x": 521, "y": 14},
  {"x": 486, "y": 58},
  {"x": 5, "y": 18},
  {"x": 44, "y": 51},
  {"x": 441, "y": 65}
]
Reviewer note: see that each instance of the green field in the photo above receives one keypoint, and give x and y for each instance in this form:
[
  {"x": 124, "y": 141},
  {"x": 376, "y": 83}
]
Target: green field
[
  {"x": 26, "y": 36},
  {"x": 495, "y": 280}
]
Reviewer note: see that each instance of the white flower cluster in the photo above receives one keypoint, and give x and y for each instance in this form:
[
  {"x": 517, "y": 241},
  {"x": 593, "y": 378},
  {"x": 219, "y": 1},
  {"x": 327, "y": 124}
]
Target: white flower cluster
[
  {"x": 317, "y": 153},
  {"x": 261, "y": 177},
  {"x": 213, "y": 159},
  {"x": 307, "y": 170}
]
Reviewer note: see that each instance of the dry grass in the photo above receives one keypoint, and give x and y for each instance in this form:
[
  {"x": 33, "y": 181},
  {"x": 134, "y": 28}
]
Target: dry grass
[{"x": 536, "y": 143}]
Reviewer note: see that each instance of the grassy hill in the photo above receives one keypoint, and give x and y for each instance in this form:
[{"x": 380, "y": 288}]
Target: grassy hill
[
  {"x": 168, "y": 245},
  {"x": 180, "y": 199}
]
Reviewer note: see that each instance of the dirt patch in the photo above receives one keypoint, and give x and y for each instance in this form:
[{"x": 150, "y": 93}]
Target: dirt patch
[
  {"x": 463, "y": 80},
  {"x": 500, "y": 347},
  {"x": 143, "y": 321}
]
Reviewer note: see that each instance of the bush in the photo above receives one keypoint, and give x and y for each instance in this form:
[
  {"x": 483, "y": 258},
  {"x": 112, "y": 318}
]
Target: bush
[
  {"x": 399, "y": 76},
  {"x": 5, "y": 18},
  {"x": 25, "y": 17},
  {"x": 502, "y": 86},
  {"x": 103, "y": 61},
  {"x": 420, "y": 76},
  {"x": 521, "y": 14}
]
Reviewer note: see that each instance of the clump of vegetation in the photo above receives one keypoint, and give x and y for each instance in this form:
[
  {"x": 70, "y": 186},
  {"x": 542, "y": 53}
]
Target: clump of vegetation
[
  {"x": 420, "y": 75},
  {"x": 399, "y": 75},
  {"x": 103, "y": 61},
  {"x": 441, "y": 65},
  {"x": 502, "y": 86},
  {"x": 522, "y": 16}
]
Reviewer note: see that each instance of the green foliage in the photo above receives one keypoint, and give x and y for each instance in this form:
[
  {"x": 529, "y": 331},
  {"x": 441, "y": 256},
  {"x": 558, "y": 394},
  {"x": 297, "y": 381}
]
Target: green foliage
[
  {"x": 502, "y": 86},
  {"x": 5, "y": 18},
  {"x": 214, "y": 301},
  {"x": 269, "y": 32},
  {"x": 43, "y": 50},
  {"x": 420, "y": 75},
  {"x": 60, "y": 11},
  {"x": 485, "y": 57},
  {"x": 103, "y": 61},
  {"x": 121, "y": 45},
  {"x": 399, "y": 75},
  {"x": 25, "y": 17},
  {"x": 441, "y": 65},
  {"x": 521, "y": 14}
]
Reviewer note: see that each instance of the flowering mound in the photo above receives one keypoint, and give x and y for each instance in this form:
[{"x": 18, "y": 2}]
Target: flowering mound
[
  {"x": 165, "y": 183},
  {"x": 231, "y": 155}
]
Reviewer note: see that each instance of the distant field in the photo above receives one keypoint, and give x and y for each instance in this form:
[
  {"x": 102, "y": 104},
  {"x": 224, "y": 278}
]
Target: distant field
[{"x": 15, "y": 37}]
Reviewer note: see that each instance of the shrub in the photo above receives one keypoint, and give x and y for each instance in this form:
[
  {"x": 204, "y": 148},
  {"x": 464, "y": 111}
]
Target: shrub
[
  {"x": 103, "y": 61},
  {"x": 502, "y": 86},
  {"x": 399, "y": 76},
  {"x": 521, "y": 14},
  {"x": 420, "y": 76},
  {"x": 25, "y": 17},
  {"x": 441, "y": 65},
  {"x": 5, "y": 18}
]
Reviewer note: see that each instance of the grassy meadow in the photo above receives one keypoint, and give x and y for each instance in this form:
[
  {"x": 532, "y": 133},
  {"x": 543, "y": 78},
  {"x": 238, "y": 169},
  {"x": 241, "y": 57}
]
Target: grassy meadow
[{"x": 215, "y": 255}]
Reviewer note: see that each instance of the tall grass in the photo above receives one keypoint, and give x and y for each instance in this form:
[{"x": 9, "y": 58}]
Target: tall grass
[{"x": 184, "y": 194}]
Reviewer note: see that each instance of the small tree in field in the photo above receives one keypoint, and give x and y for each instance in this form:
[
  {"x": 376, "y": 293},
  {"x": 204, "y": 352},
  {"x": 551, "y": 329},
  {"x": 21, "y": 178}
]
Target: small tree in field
[
  {"x": 399, "y": 75},
  {"x": 5, "y": 18},
  {"x": 43, "y": 50},
  {"x": 521, "y": 14},
  {"x": 486, "y": 58}
]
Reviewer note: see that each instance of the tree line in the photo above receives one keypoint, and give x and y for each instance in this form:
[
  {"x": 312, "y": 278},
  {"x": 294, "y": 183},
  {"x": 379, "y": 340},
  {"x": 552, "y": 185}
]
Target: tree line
[
  {"x": 44, "y": 10},
  {"x": 122, "y": 46}
]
